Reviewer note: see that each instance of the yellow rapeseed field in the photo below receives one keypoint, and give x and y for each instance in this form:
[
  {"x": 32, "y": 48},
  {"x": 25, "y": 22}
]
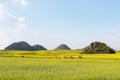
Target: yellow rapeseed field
[{"x": 57, "y": 54}]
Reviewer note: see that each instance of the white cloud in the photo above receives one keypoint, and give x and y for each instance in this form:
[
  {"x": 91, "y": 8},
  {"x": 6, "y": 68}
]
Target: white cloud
[
  {"x": 2, "y": 11},
  {"x": 21, "y": 19},
  {"x": 21, "y": 24},
  {"x": 23, "y": 2},
  {"x": 9, "y": 19},
  {"x": 10, "y": 23},
  {"x": 20, "y": 2}
]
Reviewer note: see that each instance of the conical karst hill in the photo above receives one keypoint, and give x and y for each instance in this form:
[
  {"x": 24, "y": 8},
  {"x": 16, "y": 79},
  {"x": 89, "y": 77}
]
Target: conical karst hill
[
  {"x": 98, "y": 47},
  {"x": 63, "y": 47},
  {"x": 39, "y": 47},
  {"x": 22, "y": 45}
]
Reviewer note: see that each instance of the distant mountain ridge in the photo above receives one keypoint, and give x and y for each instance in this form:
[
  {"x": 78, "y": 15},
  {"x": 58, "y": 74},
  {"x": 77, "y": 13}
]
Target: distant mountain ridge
[
  {"x": 22, "y": 45},
  {"x": 94, "y": 47}
]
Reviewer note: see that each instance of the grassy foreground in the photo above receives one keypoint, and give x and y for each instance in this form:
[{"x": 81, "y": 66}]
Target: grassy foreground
[
  {"x": 43, "y": 65},
  {"x": 59, "y": 69}
]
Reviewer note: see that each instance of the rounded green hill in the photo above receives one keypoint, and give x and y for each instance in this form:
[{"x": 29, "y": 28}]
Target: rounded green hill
[{"x": 98, "y": 47}]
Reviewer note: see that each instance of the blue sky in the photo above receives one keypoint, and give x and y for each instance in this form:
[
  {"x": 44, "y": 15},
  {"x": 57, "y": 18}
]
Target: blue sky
[{"x": 50, "y": 23}]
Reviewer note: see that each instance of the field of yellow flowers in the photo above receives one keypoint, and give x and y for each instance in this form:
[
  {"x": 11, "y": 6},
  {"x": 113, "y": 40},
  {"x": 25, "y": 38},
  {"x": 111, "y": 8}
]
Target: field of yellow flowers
[{"x": 57, "y": 54}]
